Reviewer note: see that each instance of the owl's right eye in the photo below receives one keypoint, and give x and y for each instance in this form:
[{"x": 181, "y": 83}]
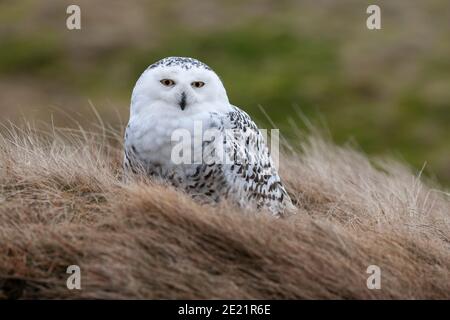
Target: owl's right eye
[{"x": 167, "y": 82}]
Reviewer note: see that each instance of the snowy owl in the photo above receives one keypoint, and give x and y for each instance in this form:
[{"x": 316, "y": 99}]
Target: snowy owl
[{"x": 178, "y": 94}]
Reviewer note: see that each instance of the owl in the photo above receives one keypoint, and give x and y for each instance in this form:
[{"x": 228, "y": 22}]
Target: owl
[{"x": 223, "y": 155}]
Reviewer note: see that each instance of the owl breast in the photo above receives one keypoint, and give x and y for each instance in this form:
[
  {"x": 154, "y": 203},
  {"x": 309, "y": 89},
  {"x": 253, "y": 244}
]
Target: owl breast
[{"x": 150, "y": 142}]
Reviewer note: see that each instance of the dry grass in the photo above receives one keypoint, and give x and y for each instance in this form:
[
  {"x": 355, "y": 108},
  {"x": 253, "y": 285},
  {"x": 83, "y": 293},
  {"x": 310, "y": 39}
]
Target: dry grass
[{"x": 62, "y": 202}]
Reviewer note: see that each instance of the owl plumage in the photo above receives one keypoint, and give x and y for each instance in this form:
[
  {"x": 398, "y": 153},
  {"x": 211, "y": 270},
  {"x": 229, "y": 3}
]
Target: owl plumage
[{"x": 178, "y": 94}]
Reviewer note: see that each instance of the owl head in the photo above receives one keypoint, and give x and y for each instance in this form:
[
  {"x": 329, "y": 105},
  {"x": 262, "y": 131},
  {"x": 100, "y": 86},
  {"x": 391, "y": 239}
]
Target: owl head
[{"x": 178, "y": 86}]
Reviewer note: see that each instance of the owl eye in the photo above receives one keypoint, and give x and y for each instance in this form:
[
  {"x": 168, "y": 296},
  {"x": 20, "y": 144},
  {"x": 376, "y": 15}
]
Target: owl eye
[
  {"x": 167, "y": 82},
  {"x": 197, "y": 84}
]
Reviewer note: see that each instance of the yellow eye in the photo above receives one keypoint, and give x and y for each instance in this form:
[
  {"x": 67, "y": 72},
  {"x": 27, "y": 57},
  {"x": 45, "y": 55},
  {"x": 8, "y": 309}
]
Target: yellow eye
[
  {"x": 197, "y": 84},
  {"x": 167, "y": 82}
]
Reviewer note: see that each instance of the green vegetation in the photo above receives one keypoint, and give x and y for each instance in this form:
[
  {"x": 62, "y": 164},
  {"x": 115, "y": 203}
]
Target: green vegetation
[
  {"x": 30, "y": 55},
  {"x": 388, "y": 91}
]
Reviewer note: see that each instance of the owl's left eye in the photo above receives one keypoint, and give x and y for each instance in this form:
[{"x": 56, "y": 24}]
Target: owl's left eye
[{"x": 197, "y": 84}]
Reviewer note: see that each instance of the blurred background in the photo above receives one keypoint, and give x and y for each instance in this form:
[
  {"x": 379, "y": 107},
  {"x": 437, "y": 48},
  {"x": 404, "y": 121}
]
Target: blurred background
[{"x": 387, "y": 91}]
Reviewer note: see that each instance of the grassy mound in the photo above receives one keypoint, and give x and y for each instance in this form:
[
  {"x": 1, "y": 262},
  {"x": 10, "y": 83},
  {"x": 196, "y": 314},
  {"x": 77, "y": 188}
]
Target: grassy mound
[{"x": 63, "y": 202}]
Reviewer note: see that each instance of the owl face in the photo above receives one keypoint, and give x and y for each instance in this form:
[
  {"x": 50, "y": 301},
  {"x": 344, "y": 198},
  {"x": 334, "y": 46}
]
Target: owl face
[{"x": 178, "y": 86}]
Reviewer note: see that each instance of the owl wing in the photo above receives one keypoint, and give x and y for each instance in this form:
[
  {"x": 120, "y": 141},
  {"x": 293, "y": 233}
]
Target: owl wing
[{"x": 249, "y": 171}]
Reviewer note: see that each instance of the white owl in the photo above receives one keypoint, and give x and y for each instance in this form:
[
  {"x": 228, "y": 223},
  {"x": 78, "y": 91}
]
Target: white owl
[{"x": 178, "y": 93}]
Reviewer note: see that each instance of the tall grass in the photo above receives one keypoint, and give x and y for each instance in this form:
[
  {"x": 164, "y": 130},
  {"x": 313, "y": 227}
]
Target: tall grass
[{"x": 63, "y": 202}]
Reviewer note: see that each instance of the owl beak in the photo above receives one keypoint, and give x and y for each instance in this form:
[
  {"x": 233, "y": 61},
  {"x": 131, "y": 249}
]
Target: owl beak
[{"x": 183, "y": 101}]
